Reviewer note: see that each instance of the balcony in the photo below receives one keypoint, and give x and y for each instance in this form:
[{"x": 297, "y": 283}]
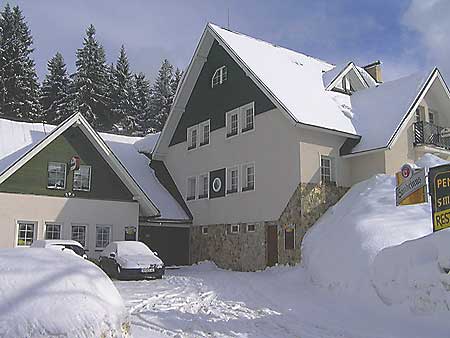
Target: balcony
[{"x": 426, "y": 133}]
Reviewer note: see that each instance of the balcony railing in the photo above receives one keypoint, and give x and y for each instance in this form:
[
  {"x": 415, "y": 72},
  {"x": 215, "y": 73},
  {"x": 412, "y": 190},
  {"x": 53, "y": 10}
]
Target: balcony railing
[{"x": 426, "y": 133}]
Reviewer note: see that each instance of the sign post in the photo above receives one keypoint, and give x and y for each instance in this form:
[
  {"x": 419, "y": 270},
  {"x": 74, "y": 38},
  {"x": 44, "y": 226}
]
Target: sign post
[
  {"x": 439, "y": 182},
  {"x": 411, "y": 186}
]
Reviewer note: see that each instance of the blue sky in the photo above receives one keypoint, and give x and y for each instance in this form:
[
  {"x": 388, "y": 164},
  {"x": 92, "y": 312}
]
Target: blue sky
[{"x": 407, "y": 35}]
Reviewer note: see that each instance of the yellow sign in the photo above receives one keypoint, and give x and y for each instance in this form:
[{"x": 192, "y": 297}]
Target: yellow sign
[
  {"x": 439, "y": 181},
  {"x": 417, "y": 197}
]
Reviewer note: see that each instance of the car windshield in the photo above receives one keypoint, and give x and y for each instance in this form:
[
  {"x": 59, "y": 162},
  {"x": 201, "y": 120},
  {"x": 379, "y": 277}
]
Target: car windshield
[
  {"x": 133, "y": 249},
  {"x": 79, "y": 251}
]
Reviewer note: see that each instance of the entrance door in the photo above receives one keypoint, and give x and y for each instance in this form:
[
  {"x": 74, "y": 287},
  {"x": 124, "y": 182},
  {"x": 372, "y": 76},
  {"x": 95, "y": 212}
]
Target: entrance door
[{"x": 272, "y": 245}]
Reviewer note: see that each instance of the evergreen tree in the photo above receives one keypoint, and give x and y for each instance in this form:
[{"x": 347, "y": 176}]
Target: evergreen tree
[
  {"x": 90, "y": 87},
  {"x": 19, "y": 88},
  {"x": 161, "y": 96},
  {"x": 142, "y": 104},
  {"x": 55, "y": 91},
  {"x": 122, "y": 103}
]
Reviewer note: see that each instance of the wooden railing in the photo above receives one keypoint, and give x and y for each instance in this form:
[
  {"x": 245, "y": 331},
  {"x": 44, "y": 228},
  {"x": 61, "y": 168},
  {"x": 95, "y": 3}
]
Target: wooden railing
[{"x": 426, "y": 133}]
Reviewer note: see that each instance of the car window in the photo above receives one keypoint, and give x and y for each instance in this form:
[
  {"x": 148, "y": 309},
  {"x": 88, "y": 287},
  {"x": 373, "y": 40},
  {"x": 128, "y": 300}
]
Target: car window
[{"x": 79, "y": 251}]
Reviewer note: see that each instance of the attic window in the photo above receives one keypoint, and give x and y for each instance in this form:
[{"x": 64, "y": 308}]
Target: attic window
[
  {"x": 346, "y": 85},
  {"x": 219, "y": 76}
]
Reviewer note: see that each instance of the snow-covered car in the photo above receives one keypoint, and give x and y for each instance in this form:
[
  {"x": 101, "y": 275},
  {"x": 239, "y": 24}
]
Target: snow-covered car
[
  {"x": 50, "y": 293},
  {"x": 131, "y": 260},
  {"x": 60, "y": 244}
]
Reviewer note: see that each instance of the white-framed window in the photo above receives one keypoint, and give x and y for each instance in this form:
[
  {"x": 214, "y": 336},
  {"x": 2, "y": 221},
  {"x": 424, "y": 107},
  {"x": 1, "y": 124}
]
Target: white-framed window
[
  {"x": 204, "y": 133},
  {"x": 56, "y": 175},
  {"x": 248, "y": 177},
  {"x": 346, "y": 84},
  {"x": 234, "y": 228},
  {"x": 326, "y": 169},
  {"x": 191, "y": 188},
  {"x": 53, "y": 230},
  {"x": 431, "y": 116},
  {"x": 192, "y": 136},
  {"x": 26, "y": 233},
  {"x": 232, "y": 180},
  {"x": 79, "y": 234},
  {"x": 251, "y": 227},
  {"x": 204, "y": 230},
  {"x": 248, "y": 117},
  {"x": 203, "y": 189},
  {"x": 219, "y": 76},
  {"x": 82, "y": 178},
  {"x": 417, "y": 115},
  {"x": 102, "y": 236},
  {"x": 289, "y": 239},
  {"x": 232, "y": 122}
]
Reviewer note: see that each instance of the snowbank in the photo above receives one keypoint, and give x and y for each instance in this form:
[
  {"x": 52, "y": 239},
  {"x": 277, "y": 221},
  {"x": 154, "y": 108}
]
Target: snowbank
[
  {"x": 338, "y": 250},
  {"x": 415, "y": 273},
  {"x": 50, "y": 293}
]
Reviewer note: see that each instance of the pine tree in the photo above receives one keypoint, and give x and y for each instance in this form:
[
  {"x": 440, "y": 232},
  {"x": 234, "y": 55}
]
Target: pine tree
[
  {"x": 142, "y": 104},
  {"x": 161, "y": 96},
  {"x": 55, "y": 91},
  {"x": 122, "y": 103},
  {"x": 90, "y": 88},
  {"x": 19, "y": 87}
]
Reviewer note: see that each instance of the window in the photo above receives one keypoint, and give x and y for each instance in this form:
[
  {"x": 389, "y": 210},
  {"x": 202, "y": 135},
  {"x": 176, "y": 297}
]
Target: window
[
  {"x": 130, "y": 233},
  {"x": 248, "y": 116},
  {"x": 56, "y": 175},
  {"x": 431, "y": 116},
  {"x": 25, "y": 233},
  {"x": 204, "y": 130},
  {"x": 232, "y": 122},
  {"x": 219, "y": 76},
  {"x": 346, "y": 84},
  {"x": 326, "y": 169},
  {"x": 52, "y": 231},
  {"x": 289, "y": 239},
  {"x": 191, "y": 188},
  {"x": 248, "y": 178},
  {"x": 79, "y": 234},
  {"x": 192, "y": 137},
  {"x": 232, "y": 180},
  {"x": 82, "y": 178},
  {"x": 102, "y": 236},
  {"x": 204, "y": 230},
  {"x": 417, "y": 115},
  {"x": 251, "y": 227},
  {"x": 234, "y": 229},
  {"x": 203, "y": 182}
]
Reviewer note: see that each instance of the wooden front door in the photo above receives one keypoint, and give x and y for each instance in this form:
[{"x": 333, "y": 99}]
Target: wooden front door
[{"x": 272, "y": 245}]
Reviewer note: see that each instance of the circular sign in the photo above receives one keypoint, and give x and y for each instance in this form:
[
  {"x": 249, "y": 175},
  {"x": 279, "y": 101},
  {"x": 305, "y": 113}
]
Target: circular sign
[
  {"x": 407, "y": 171},
  {"x": 75, "y": 163},
  {"x": 216, "y": 184}
]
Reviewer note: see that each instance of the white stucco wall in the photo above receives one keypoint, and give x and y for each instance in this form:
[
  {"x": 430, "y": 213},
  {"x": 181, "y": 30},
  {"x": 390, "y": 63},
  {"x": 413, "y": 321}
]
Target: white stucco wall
[{"x": 65, "y": 211}]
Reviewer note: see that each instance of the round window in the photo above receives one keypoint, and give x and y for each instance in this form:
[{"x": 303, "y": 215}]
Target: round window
[{"x": 217, "y": 184}]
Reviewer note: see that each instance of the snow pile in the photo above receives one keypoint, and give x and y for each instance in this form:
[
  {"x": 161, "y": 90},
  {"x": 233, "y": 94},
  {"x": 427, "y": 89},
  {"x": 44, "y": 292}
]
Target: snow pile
[
  {"x": 50, "y": 293},
  {"x": 415, "y": 273},
  {"x": 339, "y": 249}
]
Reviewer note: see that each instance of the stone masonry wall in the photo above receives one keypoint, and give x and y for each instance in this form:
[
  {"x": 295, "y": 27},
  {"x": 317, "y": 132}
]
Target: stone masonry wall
[
  {"x": 243, "y": 251},
  {"x": 307, "y": 204}
]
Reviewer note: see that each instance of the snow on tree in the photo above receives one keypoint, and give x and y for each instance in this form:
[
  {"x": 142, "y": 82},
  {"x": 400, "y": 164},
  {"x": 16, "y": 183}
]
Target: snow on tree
[
  {"x": 161, "y": 96},
  {"x": 142, "y": 104},
  {"x": 19, "y": 87},
  {"x": 90, "y": 86},
  {"x": 55, "y": 91}
]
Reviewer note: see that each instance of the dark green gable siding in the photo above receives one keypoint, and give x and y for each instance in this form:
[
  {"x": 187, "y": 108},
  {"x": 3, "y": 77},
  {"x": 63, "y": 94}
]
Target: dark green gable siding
[
  {"x": 212, "y": 103},
  {"x": 32, "y": 177}
]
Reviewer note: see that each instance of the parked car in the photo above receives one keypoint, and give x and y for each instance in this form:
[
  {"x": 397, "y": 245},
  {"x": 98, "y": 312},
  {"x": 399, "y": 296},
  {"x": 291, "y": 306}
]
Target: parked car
[
  {"x": 60, "y": 244},
  {"x": 131, "y": 260}
]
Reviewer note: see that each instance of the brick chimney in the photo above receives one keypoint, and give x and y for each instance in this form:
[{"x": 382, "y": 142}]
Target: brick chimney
[{"x": 374, "y": 69}]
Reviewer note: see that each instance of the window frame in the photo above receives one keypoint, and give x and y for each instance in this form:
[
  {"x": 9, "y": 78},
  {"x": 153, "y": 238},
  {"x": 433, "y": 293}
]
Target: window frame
[
  {"x": 243, "y": 110},
  {"x": 47, "y": 224},
  {"x": 188, "y": 196},
  {"x": 65, "y": 176},
  {"x": 189, "y": 138},
  {"x": 235, "y": 231},
  {"x": 86, "y": 234},
  {"x": 229, "y": 170},
  {"x": 202, "y": 126},
  {"x": 254, "y": 227},
  {"x": 244, "y": 185},
  {"x": 331, "y": 169},
  {"x": 432, "y": 114},
  {"x": 35, "y": 230},
  {"x": 220, "y": 75},
  {"x": 90, "y": 179},
  {"x": 200, "y": 181},
  {"x": 293, "y": 234},
  {"x": 205, "y": 233},
  {"x": 228, "y": 125},
  {"x": 97, "y": 226}
]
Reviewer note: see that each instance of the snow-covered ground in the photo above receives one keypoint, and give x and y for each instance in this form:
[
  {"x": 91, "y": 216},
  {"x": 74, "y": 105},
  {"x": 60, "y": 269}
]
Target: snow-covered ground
[{"x": 370, "y": 269}]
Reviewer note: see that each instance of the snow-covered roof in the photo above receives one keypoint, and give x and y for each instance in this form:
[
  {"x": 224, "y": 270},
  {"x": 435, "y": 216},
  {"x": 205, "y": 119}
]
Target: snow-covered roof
[{"x": 17, "y": 138}]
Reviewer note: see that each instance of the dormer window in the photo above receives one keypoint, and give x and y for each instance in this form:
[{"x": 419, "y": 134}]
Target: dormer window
[
  {"x": 219, "y": 76},
  {"x": 346, "y": 85}
]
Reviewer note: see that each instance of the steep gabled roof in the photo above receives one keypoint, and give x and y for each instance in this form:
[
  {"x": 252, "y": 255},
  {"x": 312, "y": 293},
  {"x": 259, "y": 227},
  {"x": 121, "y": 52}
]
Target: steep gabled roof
[{"x": 20, "y": 141}]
